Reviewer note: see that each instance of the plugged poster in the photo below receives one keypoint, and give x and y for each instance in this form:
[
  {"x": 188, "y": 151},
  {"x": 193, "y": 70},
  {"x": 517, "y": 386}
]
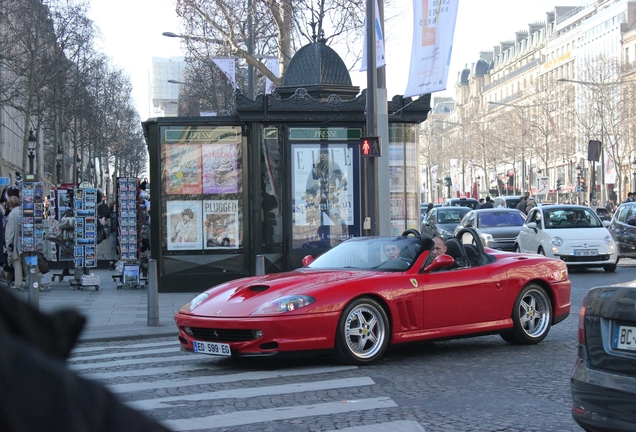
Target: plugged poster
[{"x": 221, "y": 221}]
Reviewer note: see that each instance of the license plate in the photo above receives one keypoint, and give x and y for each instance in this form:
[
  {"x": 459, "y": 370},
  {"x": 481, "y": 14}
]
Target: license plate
[
  {"x": 585, "y": 252},
  {"x": 624, "y": 338},
  {"x": 212, "y": 348}
]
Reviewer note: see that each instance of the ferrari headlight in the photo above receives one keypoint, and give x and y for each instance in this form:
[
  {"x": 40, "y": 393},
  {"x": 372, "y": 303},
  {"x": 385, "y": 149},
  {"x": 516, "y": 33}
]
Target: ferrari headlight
[
  {"x": 285, "y": 304},
  {"x": 197, "y": 300},
  {"x": 557, "y": 241},
  {"x": 609, "y": 240}
]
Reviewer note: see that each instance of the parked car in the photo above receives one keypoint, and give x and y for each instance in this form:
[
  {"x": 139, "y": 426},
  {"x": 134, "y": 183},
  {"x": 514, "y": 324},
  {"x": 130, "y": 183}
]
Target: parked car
[
  {"x": 497, "y": 228},
  {"x": 355, "y": 302},
  {"x": 603, "y": 382},
  {"x": 623, "y": 229},
  {"x": 511, "y": 200},
  {"x": 462, "y": 201},
  {"x": 442, "y": 221},
  {"x": 603, "y": 213},
  {"x": 424, "y": 210},
  {"x": 571, "y": 233}
]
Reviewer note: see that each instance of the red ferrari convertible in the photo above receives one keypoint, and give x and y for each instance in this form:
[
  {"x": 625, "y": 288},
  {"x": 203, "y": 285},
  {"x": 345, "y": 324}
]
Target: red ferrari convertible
[{"x": 363, "y": 296}]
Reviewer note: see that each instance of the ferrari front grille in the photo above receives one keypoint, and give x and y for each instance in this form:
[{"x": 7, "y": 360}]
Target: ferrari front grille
[{"x": 223, "y": 335}]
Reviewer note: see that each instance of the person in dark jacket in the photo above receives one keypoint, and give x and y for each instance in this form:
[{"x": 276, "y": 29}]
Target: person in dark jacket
[{"x": 37, "y": 389}]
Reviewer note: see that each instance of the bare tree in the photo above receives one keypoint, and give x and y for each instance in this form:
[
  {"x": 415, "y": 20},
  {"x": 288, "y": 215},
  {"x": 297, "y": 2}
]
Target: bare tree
[{"x": 251, "y": 29}]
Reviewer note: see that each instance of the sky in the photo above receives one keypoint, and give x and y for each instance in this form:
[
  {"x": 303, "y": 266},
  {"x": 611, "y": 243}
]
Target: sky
[{"x": 131, "y": 34}]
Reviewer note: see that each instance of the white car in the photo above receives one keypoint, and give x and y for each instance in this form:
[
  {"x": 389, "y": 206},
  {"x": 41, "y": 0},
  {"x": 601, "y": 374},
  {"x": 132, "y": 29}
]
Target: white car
[{"x": 572, "y": 233}]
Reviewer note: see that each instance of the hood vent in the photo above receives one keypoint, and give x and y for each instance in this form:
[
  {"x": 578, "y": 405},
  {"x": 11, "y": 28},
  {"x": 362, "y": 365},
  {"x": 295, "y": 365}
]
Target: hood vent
[{"x": 259, "y": 288}]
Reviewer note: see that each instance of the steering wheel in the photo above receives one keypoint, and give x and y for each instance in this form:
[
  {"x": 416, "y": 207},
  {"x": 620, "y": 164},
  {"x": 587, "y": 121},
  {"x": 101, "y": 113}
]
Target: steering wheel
[{"x": 409, "y": 231}]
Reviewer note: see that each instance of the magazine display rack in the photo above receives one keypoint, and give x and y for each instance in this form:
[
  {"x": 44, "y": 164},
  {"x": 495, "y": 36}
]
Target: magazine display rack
[
  {"x": 128, "y": 232},
  {"x": 85, "y": 235},
  {"x": 32, "y": 222}
]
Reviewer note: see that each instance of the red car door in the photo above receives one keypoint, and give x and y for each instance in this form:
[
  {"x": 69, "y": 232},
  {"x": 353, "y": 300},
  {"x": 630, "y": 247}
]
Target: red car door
[{"x": 462, "y": 297}]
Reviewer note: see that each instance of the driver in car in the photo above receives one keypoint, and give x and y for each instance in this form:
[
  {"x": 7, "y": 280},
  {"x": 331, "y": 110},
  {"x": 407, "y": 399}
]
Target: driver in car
[{"x": 391, "y": 251}]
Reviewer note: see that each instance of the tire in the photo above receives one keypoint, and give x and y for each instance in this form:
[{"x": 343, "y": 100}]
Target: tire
[
  {"x": 531, "y": 317},
  {"x": 541, "y": 251},
  {"x": 610, "y": 267},
  {"x": 363, "y": 332}
]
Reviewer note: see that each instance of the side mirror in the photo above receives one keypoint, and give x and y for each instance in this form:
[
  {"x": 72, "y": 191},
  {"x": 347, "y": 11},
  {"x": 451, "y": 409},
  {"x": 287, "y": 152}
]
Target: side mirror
[
  {"x": 533, "y": 225},
  {"x": 439, "y": 262},
  {"x": 307, "y": 260}
]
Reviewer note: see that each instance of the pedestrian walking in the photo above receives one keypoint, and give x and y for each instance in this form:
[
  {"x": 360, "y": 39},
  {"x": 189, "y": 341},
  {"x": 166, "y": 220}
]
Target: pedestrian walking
[{"x": 12, "y": 240}]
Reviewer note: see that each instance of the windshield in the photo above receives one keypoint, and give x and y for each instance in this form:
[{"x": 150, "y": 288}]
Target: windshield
[
  {"x": 450, "y": 215},
  {"x": 381, "y": 253},
  {"x": 487, "y": 220},
  {"x": 571, "y": 218}
]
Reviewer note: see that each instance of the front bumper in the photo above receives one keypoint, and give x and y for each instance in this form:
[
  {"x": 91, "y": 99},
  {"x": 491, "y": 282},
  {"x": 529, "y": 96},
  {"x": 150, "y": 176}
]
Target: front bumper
[{"x": 277, "y": 334}]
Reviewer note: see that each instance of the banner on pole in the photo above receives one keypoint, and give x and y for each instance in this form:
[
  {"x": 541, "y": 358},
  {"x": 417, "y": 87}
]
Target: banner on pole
[
  {"x": 433, "y": 32},
  {"x": 379, "y": 42},
  {"x": 228, "y": 67}
]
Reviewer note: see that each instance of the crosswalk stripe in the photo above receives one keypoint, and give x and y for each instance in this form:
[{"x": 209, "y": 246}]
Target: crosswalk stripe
[
  {"x": 240, "y": 418},
  {"x": 125, "y": 354},
  {"x": 125, "y": 345},
  {"x": 171, "y": 402},
  {"x": 217, "y": 379},
  {"x": 180, "y": 358},
  {"x": 144, "y": 372}
]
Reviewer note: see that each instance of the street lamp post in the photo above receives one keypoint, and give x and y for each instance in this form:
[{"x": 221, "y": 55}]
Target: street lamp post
[
  {"x": 58, "y": 163},
  {"x": 32, "y": 142}
]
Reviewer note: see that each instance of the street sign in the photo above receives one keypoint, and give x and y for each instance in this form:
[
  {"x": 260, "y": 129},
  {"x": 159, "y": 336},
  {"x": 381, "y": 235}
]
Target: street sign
[
  {"x": 5, "y": 181},
  {"x": 543, "y": 185},
  {"x": 578, "y": 188}
]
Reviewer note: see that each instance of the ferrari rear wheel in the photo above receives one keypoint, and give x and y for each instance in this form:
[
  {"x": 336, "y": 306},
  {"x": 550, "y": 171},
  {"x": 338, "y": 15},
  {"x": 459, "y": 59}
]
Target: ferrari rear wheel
[
  {"x": 531, "y": 316},
  {"x": 363, "y": 332}
]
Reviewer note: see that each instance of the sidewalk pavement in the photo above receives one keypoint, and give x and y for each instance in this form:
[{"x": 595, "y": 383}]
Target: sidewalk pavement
[{"x": 112, "y": 314}]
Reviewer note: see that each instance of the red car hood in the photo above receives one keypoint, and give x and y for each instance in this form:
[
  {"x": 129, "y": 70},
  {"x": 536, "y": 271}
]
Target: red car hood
[{"x": 241, "y": 297}]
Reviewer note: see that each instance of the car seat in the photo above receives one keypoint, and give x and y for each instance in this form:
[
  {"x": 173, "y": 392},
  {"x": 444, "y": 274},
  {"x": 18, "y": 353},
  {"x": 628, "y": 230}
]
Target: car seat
[
  {"x": 410, "y": 252},
  {"x": 455, "y": 249},
  {"x": 473, "y": 255}
]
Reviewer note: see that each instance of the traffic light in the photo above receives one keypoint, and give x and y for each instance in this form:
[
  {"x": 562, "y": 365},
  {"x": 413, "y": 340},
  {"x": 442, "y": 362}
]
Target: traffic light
[
  {"x": 582, "y": 181},
  {"x": 370, "y": 147},
  {"x": 559, "y": 183}
]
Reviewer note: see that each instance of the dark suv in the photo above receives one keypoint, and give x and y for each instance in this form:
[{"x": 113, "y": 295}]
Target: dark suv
[
  {"x": 623, "y": 230},
  {"x": 463, "y": 202}
]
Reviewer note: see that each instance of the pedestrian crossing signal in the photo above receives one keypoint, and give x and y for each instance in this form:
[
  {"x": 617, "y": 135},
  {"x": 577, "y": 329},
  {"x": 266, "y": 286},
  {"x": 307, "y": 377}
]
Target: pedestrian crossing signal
[{"x": 370, "y": 147}]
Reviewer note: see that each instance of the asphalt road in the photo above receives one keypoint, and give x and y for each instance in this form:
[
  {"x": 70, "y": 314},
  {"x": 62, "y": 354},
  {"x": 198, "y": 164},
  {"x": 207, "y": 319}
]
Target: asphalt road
[{"x": 476, "y": 384}]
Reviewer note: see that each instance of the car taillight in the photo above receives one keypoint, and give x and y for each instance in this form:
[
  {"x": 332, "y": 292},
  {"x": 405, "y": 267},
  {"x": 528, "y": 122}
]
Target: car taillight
[{"x": 582, "y": 322}]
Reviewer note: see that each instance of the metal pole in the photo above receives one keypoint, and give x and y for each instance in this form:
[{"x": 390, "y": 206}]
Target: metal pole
[
  {"x": 250, "y": 50},
  {"x": 370, "y": 165},
  {"x": 34, "y": 287},
  {"x": 153, "y": 294},
  {"x": 260, "y": 265}
]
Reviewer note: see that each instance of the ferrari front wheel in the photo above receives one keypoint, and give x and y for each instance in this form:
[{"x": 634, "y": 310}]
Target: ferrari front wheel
[
  {"x": 531, "y": 317},
  {"x": 363, "y": 332}
]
